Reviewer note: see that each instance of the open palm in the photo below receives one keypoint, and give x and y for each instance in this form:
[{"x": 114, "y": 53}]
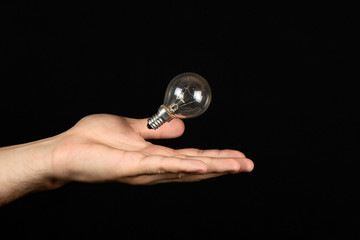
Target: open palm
[{"x": 105, "y": 147}]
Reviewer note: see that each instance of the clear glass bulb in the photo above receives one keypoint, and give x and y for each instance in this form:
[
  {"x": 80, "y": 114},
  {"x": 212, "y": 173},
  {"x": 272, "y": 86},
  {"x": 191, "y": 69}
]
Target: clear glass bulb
[{"x": 188, "y": 95}]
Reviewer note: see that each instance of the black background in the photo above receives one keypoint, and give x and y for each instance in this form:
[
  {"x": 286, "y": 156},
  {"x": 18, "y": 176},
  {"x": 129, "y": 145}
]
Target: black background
[{"x": 283, "y": 94}]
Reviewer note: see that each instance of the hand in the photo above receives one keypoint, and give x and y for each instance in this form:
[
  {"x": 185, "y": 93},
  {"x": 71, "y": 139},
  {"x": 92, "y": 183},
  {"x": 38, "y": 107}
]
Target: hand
[
  {"x": 102, "y": 148},
  {"x": 111, "y": 148}
]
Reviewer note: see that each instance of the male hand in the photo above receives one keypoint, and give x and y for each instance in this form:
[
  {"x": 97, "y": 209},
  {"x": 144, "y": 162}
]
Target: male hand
[{"x": 106, "y": 147}]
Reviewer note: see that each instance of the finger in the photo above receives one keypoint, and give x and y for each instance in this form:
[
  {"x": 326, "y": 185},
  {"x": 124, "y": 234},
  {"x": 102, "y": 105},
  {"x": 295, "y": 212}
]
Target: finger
[
  {"x": 227, "y": 156},
  {"x": 155, "y": 164},
  {"x": 170, "y": 177},
  {"x": 185, "y": 178},
  {"x": 210, "y": 152},
  {"x": 173, "y": 129},
  {"x": 161, "y": 150},
  {"x": 149, "y": 179},
  {"x": 217, "y": 160},
  {"x": 224, "y": 164}
]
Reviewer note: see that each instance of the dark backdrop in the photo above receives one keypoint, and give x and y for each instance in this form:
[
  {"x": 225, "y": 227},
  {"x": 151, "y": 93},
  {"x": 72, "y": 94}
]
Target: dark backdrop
[{"x": 282, "y": 94}]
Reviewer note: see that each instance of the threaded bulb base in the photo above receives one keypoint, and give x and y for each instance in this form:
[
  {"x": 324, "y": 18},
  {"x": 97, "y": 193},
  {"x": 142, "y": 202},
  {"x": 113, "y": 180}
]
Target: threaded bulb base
[
  {"x": 155, "y": 122},
  {"x": 161, "y": 117}
]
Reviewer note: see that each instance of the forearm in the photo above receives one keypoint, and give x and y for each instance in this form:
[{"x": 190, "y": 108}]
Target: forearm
[{"x": 25, "y": 168}]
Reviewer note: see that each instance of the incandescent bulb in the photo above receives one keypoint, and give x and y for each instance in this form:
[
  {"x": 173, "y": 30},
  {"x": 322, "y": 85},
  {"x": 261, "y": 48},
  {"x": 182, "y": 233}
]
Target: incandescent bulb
[{"x": 188, "y": 95}]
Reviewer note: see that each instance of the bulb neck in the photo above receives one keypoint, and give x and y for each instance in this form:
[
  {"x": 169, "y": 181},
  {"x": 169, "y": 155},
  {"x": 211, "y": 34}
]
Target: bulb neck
[{"x": 162, "y": 116}]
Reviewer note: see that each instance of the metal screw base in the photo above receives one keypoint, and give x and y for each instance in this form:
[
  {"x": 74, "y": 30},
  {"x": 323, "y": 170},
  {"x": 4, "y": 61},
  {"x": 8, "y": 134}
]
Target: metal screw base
[
  {"x": 161, "y": 117},
  {"x": 155, "y": 122}
]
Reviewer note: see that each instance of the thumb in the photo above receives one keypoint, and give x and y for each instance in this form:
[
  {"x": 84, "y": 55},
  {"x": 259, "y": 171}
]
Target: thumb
[{"x": 173, "y": 129}]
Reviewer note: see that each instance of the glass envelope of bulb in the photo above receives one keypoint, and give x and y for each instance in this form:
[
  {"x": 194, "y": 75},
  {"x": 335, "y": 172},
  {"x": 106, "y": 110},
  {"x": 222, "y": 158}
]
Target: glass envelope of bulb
[{"x": 188, "y": 95}]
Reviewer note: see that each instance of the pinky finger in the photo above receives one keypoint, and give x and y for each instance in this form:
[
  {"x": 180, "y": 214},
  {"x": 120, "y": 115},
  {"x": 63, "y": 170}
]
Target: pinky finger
[{"x": 185, "y": 178}]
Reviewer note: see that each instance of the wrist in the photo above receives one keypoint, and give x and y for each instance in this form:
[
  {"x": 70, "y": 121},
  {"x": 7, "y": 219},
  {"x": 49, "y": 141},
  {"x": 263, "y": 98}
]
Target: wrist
[
  {"x": 40, "y": 163},
  {"x": 26, "y": 168}
]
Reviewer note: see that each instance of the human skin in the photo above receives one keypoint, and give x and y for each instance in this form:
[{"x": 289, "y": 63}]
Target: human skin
[{"x": 109, "y": 148}]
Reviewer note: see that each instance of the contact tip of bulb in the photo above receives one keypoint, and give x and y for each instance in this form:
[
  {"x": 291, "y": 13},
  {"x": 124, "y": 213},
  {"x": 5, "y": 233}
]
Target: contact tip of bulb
[{"x": 148, "y": 126}]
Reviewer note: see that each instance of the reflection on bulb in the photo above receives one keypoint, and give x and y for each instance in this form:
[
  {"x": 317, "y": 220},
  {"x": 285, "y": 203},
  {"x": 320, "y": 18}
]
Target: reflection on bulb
[{"x": 188, "y": 95}]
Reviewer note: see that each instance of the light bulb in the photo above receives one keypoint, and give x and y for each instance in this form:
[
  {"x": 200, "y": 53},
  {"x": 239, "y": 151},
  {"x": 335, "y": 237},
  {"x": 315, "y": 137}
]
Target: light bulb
[{"x": 188, "y": 95}]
